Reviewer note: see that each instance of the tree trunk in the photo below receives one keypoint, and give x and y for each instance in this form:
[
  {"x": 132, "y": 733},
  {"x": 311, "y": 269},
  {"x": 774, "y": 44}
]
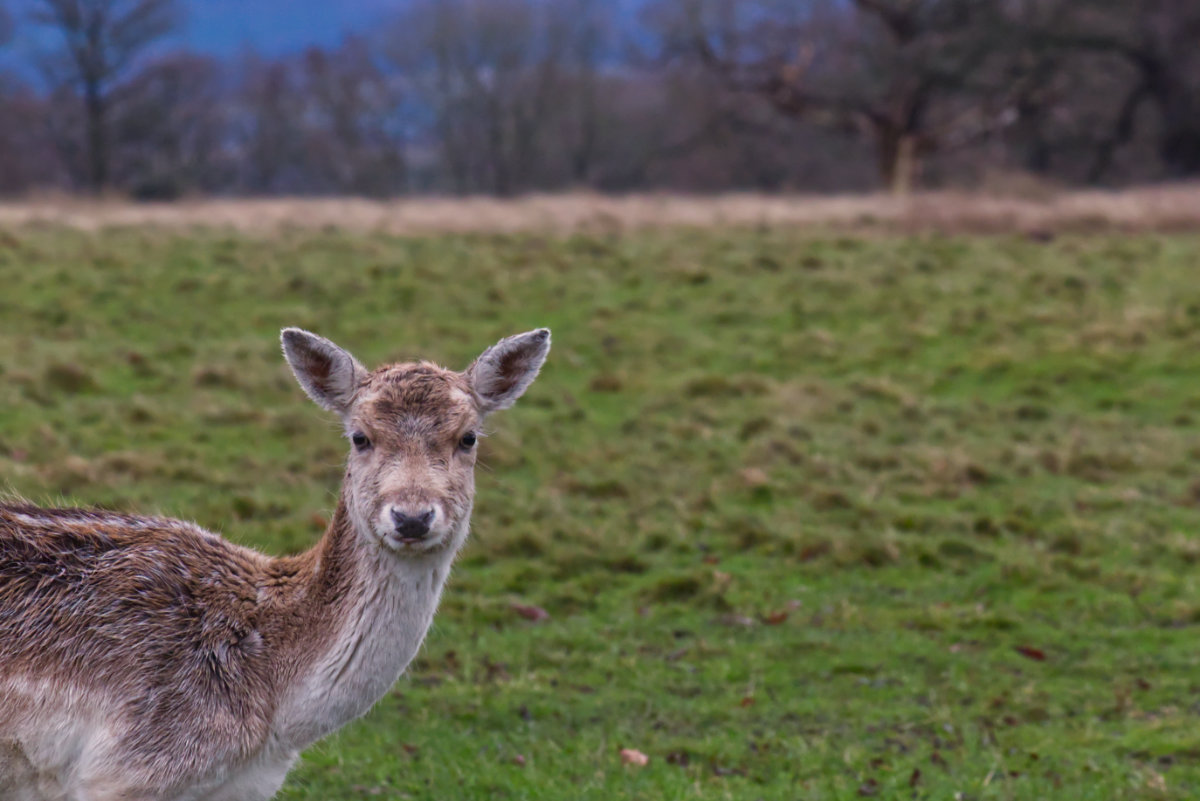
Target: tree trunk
[
  {"x": 1122, "y": 132},
  {"x": 95, "y": 111},
  {"x": 897, "y": 160},
  {"x": 1180, "y": 145},
  {"x": 906, "y": 166},
  {"x": 501, "y": 182},
  {"x": 1178, "y": 101}
]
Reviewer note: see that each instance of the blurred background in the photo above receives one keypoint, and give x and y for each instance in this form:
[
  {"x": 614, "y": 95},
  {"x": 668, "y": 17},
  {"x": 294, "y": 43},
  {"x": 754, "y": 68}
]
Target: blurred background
[
  {"x": 818, "y": 497},
  {"x": 159, "y": 99}
]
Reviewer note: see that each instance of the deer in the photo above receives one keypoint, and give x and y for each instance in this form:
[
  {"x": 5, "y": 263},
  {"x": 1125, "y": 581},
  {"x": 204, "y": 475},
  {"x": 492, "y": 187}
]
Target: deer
[{"x": 148, "y": 659}]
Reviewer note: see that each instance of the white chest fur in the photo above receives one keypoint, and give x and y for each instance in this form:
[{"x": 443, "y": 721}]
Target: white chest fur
[{"x": 381, "y": 632}]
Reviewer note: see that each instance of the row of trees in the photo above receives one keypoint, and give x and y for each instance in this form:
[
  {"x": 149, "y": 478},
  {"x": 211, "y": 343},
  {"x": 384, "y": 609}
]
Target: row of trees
[{"x": 508, "y": 96}]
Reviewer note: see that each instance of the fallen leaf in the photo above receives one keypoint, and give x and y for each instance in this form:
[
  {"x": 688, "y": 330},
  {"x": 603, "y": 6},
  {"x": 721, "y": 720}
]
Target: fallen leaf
[
  {"x": 711, "y": 560},
  {"x": 721, "y": 579},
  {"x": 534, "y": 613},
  {"x": 775, "y": 618},
  {"x": 754, "y": 477},
  {"x": 632, "y": 756},
  {"x": 810, "y": 552},
  {"x": 746, "y": 701},
  {"x": 915, "y": 778},
  {"x": 1030, "y": 652}
]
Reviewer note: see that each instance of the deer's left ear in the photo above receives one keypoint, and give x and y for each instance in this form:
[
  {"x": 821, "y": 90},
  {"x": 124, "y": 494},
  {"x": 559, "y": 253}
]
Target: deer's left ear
[{"x": 502, "y": 373}]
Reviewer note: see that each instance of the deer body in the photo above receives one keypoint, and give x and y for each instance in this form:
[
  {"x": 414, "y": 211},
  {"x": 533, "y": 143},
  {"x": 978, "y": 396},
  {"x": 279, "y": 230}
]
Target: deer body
[{"x": 145, "y": 659}]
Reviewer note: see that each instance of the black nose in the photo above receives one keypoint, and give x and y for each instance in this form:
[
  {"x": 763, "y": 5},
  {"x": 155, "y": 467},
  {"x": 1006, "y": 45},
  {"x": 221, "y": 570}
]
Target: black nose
[{"x": 412, "y": 527}]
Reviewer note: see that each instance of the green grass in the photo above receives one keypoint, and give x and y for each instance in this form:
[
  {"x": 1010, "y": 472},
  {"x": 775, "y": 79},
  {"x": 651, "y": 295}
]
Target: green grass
[{"x": 813, "y": 516}]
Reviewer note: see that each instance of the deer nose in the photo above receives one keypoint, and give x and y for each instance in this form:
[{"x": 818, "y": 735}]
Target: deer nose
[{"x": 412, "y": 527}]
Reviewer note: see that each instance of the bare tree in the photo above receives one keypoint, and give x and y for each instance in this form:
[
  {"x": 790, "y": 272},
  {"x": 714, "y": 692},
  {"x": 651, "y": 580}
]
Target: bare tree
[
  {"x": 907, "y": 73},
  {"x": 585, "y": 112},
  {"x": 102, "y": 41},
  {"x": 1158, "y": 44},
  {"x": 25, "y": 160},
  {"x": 510, "y": 96},
  {"x": 266, "y": 125},
  {"x": 490, "y": 72},
  {"x": 354, "y": 134},
  {"x": 168, "y": 129},
  {"x": 329, "y": 121},
  {"x": 1070, "y": 103}
]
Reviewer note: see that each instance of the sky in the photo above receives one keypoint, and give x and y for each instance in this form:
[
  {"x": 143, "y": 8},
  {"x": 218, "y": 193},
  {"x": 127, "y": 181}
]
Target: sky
[{"x": 225, "y": 27}]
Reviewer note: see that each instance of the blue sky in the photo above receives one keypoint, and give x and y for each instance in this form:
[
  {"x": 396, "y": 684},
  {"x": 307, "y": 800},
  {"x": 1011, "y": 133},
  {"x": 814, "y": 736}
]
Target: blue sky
[
  {"x": 225, "y": 27},
  {"x": 222, "y": 27}
]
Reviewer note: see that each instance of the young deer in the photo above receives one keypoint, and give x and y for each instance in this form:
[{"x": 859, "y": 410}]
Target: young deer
[{"x": 145, "y": 659}]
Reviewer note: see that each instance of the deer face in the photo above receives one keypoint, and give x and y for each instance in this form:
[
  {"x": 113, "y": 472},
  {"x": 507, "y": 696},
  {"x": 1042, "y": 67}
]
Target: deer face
[{"x": 413, "y": 431}]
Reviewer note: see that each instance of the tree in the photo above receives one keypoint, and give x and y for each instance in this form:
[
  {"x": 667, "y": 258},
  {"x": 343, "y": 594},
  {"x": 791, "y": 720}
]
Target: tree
[
  {"x": 266, "y": 126},
  {"x": 25, "y": 161},
  {"x": 491, "y": 74},
  {"x": 1158, "y": 42},
  {"x": 354, "y": 136},
  {"x": 168, "y": 129},
  {"x": 910, "y": 74},
  {"x": 328, "y": 121},
  {"x": 102, "y": 42}
]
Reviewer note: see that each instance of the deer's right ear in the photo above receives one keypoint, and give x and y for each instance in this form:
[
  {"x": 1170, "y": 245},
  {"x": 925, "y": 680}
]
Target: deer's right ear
[{"x": 327, "y": 373}]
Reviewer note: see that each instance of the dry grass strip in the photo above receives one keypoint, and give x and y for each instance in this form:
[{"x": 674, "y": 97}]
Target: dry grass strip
[{"x": 1167, "y": 208}]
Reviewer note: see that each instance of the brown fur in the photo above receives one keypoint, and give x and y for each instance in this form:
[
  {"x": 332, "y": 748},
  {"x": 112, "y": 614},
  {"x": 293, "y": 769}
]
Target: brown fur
[
  {"x": 204, "y": 646},
  {"x": 215, "y": 628}
]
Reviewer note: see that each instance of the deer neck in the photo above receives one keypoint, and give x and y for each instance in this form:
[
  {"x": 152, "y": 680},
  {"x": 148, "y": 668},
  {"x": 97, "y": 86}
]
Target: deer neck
[{"x": 361, "y": 613}]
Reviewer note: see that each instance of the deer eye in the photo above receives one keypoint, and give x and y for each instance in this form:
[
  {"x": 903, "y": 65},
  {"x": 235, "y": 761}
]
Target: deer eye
[
  {"x": 468, "y": 441},
  {"x": 360, "y": 440}
]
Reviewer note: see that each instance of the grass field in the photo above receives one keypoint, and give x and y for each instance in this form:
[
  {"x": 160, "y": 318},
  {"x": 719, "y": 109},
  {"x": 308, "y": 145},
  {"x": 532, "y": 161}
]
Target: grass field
[{"x": 813, "y": 516}]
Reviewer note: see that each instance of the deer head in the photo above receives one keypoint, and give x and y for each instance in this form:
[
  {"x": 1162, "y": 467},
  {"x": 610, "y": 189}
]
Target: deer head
[{"x": 413, "y": 430}]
